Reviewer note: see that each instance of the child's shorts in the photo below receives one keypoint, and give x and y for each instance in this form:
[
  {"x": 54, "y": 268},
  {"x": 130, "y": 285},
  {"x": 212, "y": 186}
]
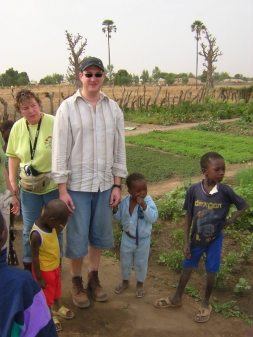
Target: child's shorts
[
  {"x": 213, "y": 256},
  {"x": 53, "y": 289}
]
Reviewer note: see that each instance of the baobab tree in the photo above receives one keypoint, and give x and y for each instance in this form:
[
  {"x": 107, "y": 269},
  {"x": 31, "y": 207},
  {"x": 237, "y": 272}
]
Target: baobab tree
[
  {"x": 108, "y": 29},
  {"x": 199, "y": 28},
  {"x": 210, "y": 53},
  {"x": 75, "y": 56}
]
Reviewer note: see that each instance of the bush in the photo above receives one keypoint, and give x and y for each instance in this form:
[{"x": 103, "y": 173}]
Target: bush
[
  {"x": 174, "y": 259},
  {"x": 171, "y": 205}
]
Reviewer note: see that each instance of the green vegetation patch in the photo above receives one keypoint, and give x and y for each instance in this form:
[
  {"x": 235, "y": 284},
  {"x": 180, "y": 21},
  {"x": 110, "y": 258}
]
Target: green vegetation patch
[
  {"x": 193, "y": 144},
  {"x": 157, "y": 166},
  {"x": 187, "y": 111}
]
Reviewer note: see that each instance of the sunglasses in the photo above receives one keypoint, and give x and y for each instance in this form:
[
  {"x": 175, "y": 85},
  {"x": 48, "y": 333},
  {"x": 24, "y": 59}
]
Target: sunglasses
[
  {"x": 24, "y": 94},
  {"x": 89, "y": 75}
]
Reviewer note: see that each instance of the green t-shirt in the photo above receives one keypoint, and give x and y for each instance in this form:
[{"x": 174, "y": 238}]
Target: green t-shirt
[
  {"x": 19, "y": 146},
  {"x": 3, "y": 186}
]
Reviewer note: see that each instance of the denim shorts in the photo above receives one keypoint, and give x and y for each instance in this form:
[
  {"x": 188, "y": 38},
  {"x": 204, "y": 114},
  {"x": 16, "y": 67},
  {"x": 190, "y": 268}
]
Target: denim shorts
[
  {"x": 213, "y": 256},
  {"x": 91, "y": 223}
]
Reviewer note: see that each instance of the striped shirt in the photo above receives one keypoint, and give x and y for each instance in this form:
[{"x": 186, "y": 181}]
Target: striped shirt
[{"x": 88, "y": 148}]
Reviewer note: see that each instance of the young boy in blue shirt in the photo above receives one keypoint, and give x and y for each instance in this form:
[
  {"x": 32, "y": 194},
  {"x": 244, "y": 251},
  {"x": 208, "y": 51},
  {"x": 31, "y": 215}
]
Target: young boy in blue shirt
[{"x": 207, "y": 204}]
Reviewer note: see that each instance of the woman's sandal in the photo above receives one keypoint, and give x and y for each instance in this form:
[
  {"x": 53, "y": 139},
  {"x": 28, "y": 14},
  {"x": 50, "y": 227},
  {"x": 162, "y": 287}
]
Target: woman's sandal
[
  {"x": 121, "y": 287},
  {"x": 140, "y": 292},
  {"x": 57, "y": 324},
  {"x": 64, "y": 313}
]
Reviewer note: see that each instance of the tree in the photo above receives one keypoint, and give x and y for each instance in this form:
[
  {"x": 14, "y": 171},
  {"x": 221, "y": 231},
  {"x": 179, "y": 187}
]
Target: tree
[
  {"x": 122, "y": 77},
  {"x": 210, "y": 53},
  {"x": 135, "y": 79},
  {"x": 109, "y": 73},
  {"x": 169, "y": 77},
  {"x": 199, "y": 28},
  {"x": 52, "y": 79},
  {"x": 203, "y": 77},
  {"x": 77, "y": 48},
  {"x": 156, "y": 74},
  {"x": 239, "y": 76},
  {"x": 144, "y": 76},
  {"x": 23, "y": 78},
  {"x": 223, "y": 76},
  {"x": 108, "y": 29},
  {"x": 13, "y": 77},
  {"x": 190, "y": 75}
]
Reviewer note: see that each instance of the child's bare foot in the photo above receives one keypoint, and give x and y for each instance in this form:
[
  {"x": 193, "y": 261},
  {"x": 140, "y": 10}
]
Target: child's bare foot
[{"x": 121, "y": 287}]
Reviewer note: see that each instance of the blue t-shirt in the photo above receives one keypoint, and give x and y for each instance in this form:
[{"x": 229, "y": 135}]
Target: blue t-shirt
[{"x": 209, "y": 211}]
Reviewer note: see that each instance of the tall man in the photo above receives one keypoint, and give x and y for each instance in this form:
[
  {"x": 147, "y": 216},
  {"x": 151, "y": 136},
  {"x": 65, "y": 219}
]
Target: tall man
[{"x": 88, "y": 163}]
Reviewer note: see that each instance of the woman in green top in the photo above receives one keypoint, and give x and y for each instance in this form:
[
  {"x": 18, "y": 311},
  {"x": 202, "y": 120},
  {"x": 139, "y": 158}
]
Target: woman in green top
[{"x": 29, "y": 147}]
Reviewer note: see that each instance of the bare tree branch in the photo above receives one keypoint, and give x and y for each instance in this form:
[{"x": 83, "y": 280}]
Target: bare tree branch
[
  {"x": 211, "y": 54},
  {"x": 76, "y": 47}
]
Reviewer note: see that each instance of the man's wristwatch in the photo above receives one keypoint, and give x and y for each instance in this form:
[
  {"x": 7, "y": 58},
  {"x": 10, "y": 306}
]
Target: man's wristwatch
[{"x": 118, "y": 186}]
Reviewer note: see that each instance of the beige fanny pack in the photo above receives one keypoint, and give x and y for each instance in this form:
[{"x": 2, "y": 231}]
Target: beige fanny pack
[{"x": 34, "y": 184}]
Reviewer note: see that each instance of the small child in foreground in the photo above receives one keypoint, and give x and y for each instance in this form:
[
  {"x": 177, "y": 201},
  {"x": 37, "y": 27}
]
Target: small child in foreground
[
  {"x": 207, "y": 204},
  {"x": 23, "y": 308},
  {"x": 46, "y": 256},
  {"x": 137, "y": 212}
]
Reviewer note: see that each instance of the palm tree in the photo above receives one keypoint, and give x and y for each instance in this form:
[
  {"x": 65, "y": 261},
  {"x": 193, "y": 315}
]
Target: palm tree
[
  {"x": 197, "y": 27},
  {"x": 108, "y": 29}
]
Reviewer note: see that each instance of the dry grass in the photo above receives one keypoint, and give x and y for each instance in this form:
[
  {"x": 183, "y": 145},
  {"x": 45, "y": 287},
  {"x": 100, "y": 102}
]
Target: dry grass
[{"x": 173, "y": 93}]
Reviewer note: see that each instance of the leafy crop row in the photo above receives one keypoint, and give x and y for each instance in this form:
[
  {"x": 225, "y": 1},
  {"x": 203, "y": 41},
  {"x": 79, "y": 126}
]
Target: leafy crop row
[{"x": 193, "y": 144}]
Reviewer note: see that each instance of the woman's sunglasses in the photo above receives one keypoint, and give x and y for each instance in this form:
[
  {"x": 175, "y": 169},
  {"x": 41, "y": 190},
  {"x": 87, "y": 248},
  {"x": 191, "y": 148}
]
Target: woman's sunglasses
[
  {"x": 89, "y": 75},
  {"x": 24, "y": 94}
]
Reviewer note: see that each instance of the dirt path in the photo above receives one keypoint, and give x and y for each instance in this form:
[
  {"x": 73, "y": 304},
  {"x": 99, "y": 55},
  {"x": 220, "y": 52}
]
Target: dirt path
[
  {"x": 126, "y": 316},
  {"x": 146, "y": 128}
]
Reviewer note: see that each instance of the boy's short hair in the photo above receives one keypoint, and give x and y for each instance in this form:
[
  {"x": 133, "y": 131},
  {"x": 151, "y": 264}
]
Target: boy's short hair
[
  {"x": 57, "y": 209},
  {"x": 134, "y": 177},
  {"x": 205, "y": 159}
]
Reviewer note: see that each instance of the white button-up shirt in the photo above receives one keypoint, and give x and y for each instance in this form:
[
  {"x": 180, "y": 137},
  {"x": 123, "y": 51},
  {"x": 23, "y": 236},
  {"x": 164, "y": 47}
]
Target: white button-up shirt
[{"x": 88, "y": 147}]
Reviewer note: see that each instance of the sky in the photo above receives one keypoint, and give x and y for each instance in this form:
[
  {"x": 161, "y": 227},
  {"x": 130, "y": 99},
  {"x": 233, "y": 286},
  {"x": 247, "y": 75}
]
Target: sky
[{"x": 149, "y": 33}]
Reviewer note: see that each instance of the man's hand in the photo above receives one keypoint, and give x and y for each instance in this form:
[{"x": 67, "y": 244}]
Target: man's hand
[
  {"x": 64, "y": 196},
  {"x": 68, "y": 201},
  {"x": 115, "y": 197}
]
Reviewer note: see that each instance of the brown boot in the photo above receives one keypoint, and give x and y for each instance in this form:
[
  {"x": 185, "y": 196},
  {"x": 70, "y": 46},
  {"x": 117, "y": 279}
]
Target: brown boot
[
  {"x": 79, "y": 296},
  {"x": 94, "y": 285}
]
